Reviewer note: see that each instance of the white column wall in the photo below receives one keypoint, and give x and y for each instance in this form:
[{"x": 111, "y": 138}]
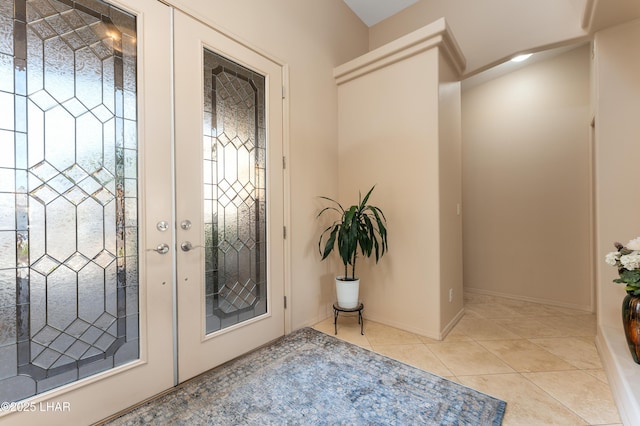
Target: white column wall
[
  {"x": 395, "y": 133},
  {"x": 617, "y": 141}
]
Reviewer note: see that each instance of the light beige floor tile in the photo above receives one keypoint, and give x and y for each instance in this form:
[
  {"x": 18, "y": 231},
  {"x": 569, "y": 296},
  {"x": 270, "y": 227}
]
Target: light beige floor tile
[
  {"x": 538, "y": 310},
  {"x": 425, "y": 339},
  {"x": 417, "y": 355},
  {"x": 483, "y": 329},
  {"x": 515, "y": 303},
  {"x": 527, "y": 404},
  {"x": 485, "y": 348},
  {"x": 492, "y": 310},
  {"x": 568, "y": 311},
  {"x": 530, "y": 308},
  {"x": 524, "y": 356},
  {"x": 453, "y": 336},
  {"x": 325, "y": 326},
  {"x": 572, "y": 325},
  {"x": 348, "y": 330},
  {"x": 464, "y": 358},
  {"x": 470, "y": 314},
  {"x": 582, "y": 393},
  {"x": 598, "y": 374},
  {"x": 453, "y": 379},
  {"x": 580, "y": 352},
  {"x": 529, "y": 328},
  {"x": 470, "y": 298},
  {"x": 380, "y": 334}
]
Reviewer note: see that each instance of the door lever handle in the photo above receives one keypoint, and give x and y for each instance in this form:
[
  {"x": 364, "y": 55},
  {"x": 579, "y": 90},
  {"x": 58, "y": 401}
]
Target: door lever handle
[
  {"x": 160, "y": 249},
  {"x": 187, "y": 246}
]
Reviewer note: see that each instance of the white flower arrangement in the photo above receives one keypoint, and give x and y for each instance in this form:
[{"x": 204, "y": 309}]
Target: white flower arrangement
[{"x": 627, "y": 260}]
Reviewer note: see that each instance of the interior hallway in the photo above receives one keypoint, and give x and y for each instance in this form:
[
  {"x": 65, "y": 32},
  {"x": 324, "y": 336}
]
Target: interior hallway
[{"x": 540, "y": 359}]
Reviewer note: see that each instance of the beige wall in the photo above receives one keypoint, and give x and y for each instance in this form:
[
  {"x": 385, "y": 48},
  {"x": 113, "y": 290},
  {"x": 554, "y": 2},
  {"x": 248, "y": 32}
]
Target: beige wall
[
  {"x": 617, "y": 148},
  {"x": 526, "y": 183},
  {"x": 311, "y": 38},
  {"x": 450, "y": 186}
]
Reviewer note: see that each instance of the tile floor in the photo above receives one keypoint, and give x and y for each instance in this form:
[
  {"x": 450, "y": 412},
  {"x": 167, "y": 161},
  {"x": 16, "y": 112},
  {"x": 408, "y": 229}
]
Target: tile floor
[{"x": 540, "y": 359}]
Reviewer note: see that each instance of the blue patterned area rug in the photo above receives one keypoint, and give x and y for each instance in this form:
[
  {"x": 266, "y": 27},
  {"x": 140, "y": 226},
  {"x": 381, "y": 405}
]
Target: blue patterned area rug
[{"x": 310, "y": 378}]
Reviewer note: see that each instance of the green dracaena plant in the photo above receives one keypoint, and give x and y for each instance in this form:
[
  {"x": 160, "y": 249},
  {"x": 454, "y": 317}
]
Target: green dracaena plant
[{"x": 360, "y": 226}]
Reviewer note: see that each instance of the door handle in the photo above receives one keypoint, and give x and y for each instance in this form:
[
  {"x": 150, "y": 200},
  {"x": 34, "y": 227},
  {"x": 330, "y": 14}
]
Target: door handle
[
  {"x": 187, "y": 246},
  {"x": 161, "y": 249}
]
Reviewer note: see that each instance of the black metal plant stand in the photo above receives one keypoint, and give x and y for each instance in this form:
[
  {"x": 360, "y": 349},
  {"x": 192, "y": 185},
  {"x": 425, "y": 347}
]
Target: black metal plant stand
[{"x": 337, "y": 309}]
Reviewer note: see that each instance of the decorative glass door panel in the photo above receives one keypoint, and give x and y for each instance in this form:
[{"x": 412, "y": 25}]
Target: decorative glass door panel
[
  {"x": 68, "y": 193},
  {"x": 234, "y": 193}
]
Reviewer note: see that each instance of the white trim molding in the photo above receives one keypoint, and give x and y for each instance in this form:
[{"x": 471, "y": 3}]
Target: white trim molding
[
  {"x": 622, "y": 372},
  {"x": 436, "y": 34}
]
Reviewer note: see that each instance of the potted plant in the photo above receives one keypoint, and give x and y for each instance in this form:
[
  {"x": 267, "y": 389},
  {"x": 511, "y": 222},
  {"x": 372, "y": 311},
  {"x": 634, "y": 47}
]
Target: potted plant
[
  {"x": 361, "y": 227},
  {"x": 627, "y": 260}
]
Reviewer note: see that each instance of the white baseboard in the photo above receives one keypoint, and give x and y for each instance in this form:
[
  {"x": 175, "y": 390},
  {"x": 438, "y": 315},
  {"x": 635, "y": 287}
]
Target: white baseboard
[
  {"x": 447, "y": 329},
  {"x": 622, "y": 372}
]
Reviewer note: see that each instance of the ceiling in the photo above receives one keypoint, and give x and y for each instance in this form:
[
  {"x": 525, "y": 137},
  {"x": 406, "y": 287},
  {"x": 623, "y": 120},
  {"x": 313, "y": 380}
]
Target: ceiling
[
  {"x": 599, "y": 14},
  {"x": 373, "y": 11}
]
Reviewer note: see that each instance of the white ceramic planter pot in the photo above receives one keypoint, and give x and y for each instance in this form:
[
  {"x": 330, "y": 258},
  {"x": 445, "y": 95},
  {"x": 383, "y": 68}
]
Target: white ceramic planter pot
[{"x": 347, "y": 292}]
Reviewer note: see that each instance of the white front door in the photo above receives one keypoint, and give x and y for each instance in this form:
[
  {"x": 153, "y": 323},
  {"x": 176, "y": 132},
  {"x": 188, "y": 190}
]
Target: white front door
[
  {"x": 112, "y": 219},
  {"x": 86, "y": 295},
  {"x": 229, "y": 197}
]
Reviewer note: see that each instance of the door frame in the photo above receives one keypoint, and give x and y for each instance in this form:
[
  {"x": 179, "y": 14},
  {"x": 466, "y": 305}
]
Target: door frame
[{"x": 159, "y": 353}]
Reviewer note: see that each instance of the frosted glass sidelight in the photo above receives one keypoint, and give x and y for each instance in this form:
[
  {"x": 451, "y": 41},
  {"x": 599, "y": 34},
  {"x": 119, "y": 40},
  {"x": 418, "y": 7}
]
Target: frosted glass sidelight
[
  {"x": 68, "y": 188},
  {"x": 234, "y": 187}
]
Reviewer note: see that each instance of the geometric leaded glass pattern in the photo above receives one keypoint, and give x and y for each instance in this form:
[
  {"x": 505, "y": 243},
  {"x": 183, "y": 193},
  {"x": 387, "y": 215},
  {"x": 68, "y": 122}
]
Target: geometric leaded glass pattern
[
  {"x": 234, "y": 192},
  {"x": 68, "y": 193}
]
